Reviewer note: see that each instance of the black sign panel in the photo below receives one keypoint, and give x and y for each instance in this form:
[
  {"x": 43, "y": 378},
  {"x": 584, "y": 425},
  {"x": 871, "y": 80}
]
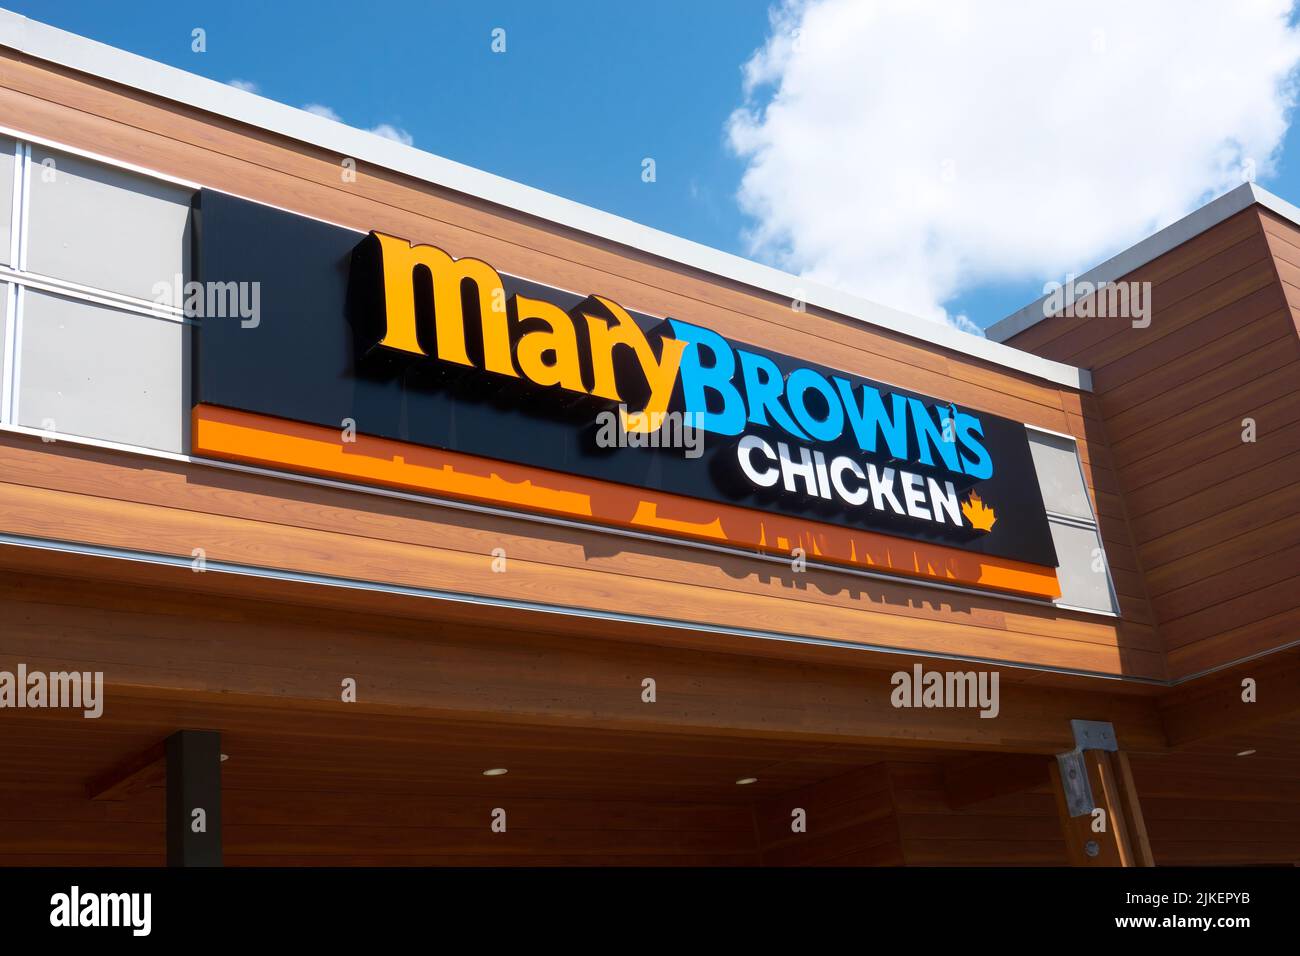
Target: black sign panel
[{"x": 796, "y": 444}]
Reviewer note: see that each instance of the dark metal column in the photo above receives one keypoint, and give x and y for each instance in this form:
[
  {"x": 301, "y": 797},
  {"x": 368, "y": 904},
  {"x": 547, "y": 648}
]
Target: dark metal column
[{"x": 194, "y": 798}]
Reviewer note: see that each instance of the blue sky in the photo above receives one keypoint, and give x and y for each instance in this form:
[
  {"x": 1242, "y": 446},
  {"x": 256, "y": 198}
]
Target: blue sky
[{"x": 585, "y": 91}]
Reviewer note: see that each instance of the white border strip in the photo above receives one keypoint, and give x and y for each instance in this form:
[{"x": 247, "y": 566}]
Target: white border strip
[
  {"x": 24, "y": 222},
  {"x": 82, "y": 293},
  {"x": 16, "y": 207},
  {"x": 87, "y": 56},
  {"x": 1151, "y": 248},
  {"x": 9, "y": 371}
]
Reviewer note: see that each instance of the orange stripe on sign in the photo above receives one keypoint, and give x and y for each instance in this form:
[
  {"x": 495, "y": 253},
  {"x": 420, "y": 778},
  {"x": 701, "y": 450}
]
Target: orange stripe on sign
[{"x": 294, "y": 446}]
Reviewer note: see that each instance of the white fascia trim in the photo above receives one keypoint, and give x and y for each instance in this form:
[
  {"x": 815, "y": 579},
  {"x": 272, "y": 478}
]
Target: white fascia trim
[
  {"x": 1276, "y": 204},
  {"x": 1154, "y": 246},
  {"x": 43, "y": 42}
]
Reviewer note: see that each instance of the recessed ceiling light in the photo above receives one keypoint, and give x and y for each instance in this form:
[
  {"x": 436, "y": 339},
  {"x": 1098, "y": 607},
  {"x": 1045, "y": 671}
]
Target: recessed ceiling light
[
  {"x": 496, "y": 772},
  {"x": 745, "y": 781},
  {"x": 1245, "y": 753}
]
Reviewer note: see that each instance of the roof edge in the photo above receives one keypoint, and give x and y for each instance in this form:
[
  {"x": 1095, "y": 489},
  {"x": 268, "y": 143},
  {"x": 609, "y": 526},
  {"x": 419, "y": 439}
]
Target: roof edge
[
  {"x": 50, "y": 44},
  {"x": 1151, "y": 248}
]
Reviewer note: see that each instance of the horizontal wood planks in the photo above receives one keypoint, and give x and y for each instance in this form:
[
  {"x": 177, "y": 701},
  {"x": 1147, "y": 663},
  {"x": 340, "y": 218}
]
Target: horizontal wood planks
[
  {"x": 197, "y": 647},
  {"x": 1019, "y": 829},
  {"x": 415, "y": 799},
  {"x": 1215, "y": 517},
  {"x": 111, "y": 499},
  {"x": 361, "y": 785},
  {"x": 177, "y": 140},
  {"x": 846, "y": 820},
  {"x": 356, "y": 789},
  {"x": 1207, "y": 806}
]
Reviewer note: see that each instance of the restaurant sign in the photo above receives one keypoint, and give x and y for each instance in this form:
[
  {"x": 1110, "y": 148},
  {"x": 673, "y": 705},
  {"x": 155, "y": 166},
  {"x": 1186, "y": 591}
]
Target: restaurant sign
[{"x": 465, "y": 381}]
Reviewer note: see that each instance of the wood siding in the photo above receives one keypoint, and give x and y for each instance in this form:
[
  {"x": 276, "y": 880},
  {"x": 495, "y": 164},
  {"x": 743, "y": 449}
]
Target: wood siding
[
  {"x": 1208, "y": 806},
  {"x": 117, "y": 501},
  {"x": 1018, "y": 829},
  {"x": 170, "y": 640},
  {"x": 596, "y": 774},
  {"x": 849, "y": 821},
  {"x": 1216, "y": 518}
]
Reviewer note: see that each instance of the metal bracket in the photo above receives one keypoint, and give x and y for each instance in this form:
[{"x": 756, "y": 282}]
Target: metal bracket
[{"x": 1088, "y": 735}]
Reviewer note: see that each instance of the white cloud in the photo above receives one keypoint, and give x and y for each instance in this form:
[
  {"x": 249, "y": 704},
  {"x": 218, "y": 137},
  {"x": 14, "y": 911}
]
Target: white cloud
[
  {"x": 386, "y": 130},
  {"x": 389, "y": 131},
  {"x": 248, "y": 86},
  {"x": 323, "y": 111},
  {"x": 909, "y": 150}
]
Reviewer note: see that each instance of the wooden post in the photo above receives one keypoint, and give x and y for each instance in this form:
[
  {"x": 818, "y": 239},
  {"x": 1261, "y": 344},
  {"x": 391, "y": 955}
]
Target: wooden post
[
  {"x": 1114, "y": 834},
  {"x": 1126, "y": 798}
]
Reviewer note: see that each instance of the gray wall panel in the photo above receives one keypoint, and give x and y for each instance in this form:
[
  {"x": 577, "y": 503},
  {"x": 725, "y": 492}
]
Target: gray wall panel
[
  {"x": 6, "y": 197},
  {"x": 1059, "y": 476},
  {"x": 103, "y": 373},
  {"x": 1081, "y": 585},
  {"x": 105, "y": 227},
  {"x": 4, "y": 322}
]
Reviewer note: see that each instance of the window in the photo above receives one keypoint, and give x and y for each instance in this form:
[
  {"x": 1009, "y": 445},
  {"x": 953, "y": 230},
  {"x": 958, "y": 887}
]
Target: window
[
  {"x": 86, "y": 351},
  {"x": 1082, "y": 569}
]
